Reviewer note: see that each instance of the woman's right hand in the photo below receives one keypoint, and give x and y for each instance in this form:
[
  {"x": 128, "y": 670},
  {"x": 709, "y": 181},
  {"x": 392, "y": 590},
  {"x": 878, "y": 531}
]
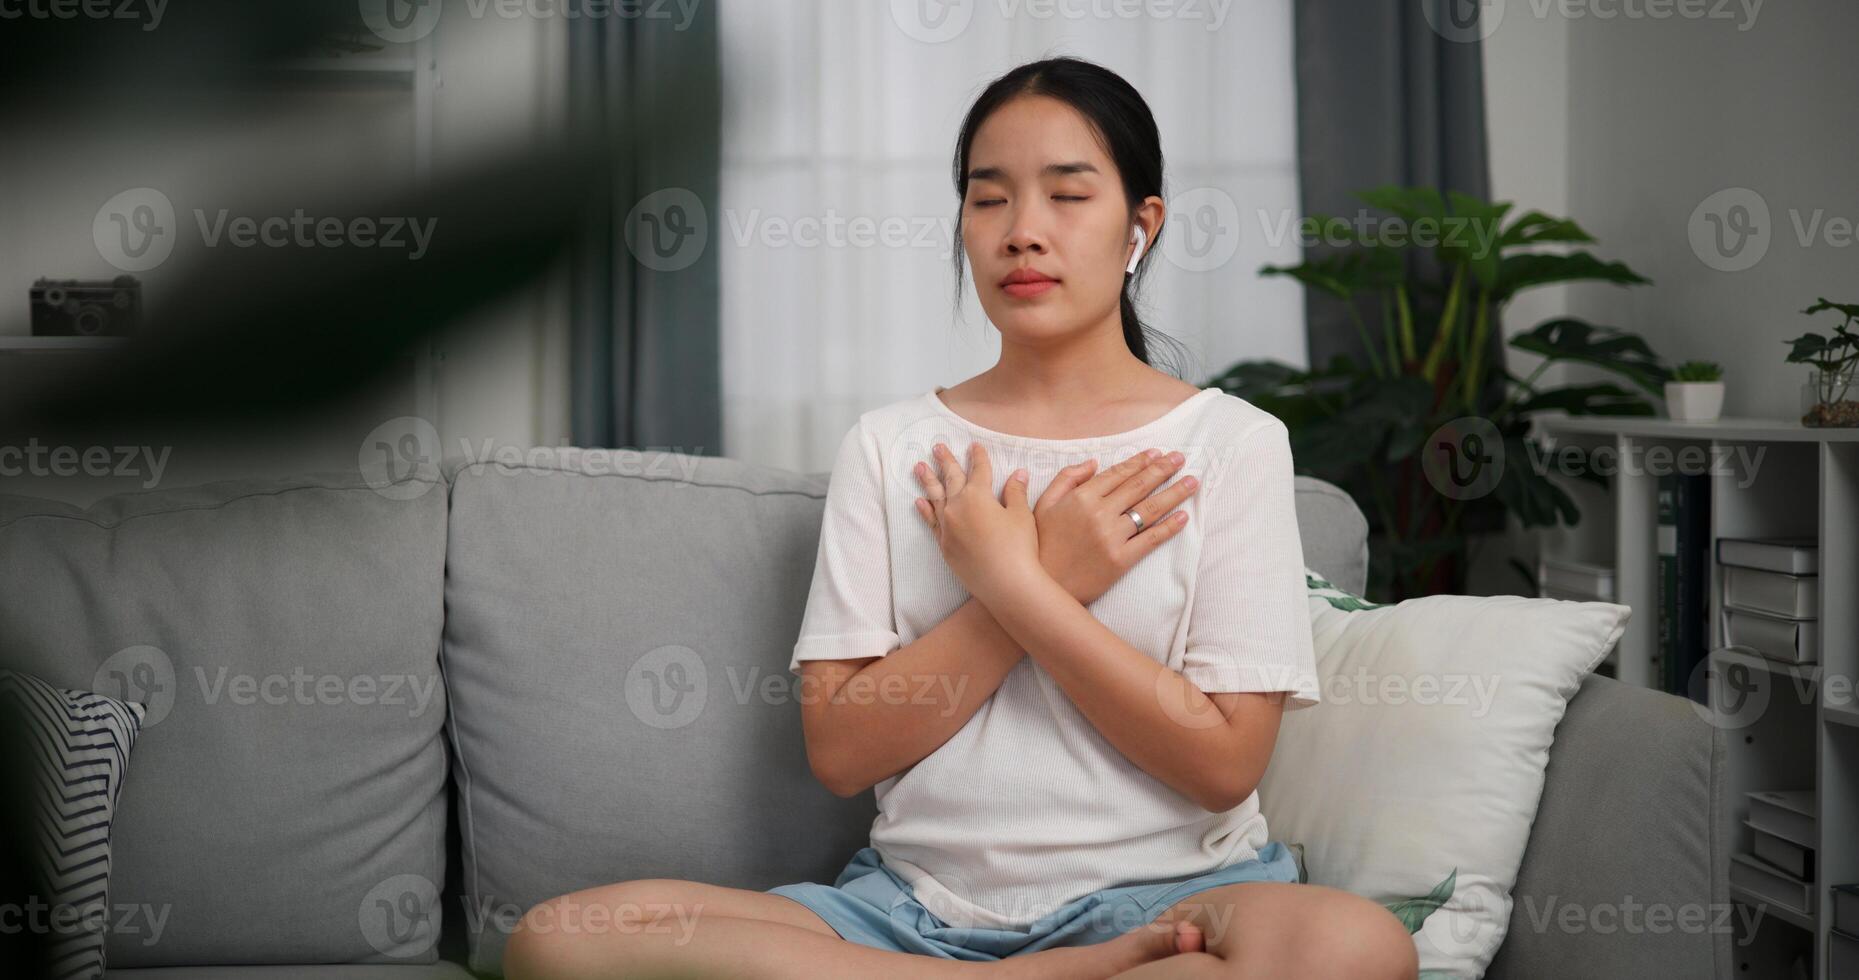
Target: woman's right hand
[{"x": 1086, "y": 540}]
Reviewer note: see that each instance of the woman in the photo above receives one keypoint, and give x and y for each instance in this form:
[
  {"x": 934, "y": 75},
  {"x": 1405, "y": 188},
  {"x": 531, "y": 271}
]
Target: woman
[{"x": 1063, "y": 684}]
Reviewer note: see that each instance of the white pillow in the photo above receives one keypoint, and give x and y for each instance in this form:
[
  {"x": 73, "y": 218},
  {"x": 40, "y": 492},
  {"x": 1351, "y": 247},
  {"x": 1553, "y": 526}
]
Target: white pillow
[{"x": 1427, "y": 751}]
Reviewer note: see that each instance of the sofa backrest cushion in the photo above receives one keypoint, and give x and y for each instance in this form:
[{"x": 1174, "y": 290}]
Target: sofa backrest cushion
[
  {"x": 617, "y": 633},
  {"x": 616, "y": 643},
  {"x": 286, "y": 799},
  {"x": 1334, "y": 534}
]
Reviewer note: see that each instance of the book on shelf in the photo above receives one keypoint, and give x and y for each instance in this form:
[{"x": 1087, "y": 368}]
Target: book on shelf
[
  {"x": 1842, "y": 954},
  {"x": 1786, "y": 813},
  {"x": 1562, "y": 578},
  {"x": 1790, "y": 556},
  {"x": 1771, "y": 884},
  {"x": 1771, "y": 593},
  {"x": 1786, "y": 855},
  {"x": 1666, "y": 546},
  {"x": 1790, "y": 641},
  {"x": 1846, "y": 908},
  {"x": 1684, "y": 544}
]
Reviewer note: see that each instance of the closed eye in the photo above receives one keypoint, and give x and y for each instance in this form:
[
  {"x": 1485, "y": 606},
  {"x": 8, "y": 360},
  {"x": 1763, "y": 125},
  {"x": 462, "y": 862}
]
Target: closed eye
[{"x": 990, "y": 202}]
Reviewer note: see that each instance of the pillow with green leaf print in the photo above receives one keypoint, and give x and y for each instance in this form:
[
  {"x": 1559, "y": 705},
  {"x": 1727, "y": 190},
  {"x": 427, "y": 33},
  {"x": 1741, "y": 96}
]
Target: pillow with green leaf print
[
  {"x": 1431, "y": 739},
  {"x": 1411, "y": 911}
]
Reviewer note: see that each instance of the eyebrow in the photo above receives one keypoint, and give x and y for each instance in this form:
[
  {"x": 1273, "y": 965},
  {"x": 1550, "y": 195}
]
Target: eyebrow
[{"x": 1049, "y": 170}]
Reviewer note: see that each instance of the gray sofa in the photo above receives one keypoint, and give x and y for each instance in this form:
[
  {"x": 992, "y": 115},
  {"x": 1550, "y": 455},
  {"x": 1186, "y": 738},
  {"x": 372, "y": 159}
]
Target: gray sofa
[{"x": 385, "y": 722}]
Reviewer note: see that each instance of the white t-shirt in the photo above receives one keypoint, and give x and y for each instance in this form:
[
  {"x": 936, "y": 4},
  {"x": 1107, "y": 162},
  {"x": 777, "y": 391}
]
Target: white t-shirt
[{"x": 1028, "y": 807}]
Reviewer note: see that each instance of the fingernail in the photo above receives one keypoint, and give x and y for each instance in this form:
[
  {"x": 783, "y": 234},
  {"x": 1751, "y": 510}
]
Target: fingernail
[
  {"x": 1177, "y": 458},
  {"x": 1190, "y": 482},
  {"x": 1152, "y": 453}
]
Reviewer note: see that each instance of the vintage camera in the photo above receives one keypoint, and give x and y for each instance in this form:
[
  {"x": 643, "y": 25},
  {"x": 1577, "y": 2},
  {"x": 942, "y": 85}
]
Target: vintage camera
[{"x": 86, "y": 307}]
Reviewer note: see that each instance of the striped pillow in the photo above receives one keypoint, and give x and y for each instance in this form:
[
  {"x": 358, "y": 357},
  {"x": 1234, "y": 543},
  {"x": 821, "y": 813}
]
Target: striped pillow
[{"x": 80, "y": 742}]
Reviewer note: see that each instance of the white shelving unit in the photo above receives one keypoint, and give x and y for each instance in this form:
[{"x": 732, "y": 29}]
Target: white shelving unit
[{"x": 1797, "y": 726}]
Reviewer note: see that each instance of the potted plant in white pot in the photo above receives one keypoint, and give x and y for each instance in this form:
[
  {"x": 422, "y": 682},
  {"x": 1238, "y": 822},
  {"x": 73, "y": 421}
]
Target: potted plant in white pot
[{"x": 1695, "y": 393}]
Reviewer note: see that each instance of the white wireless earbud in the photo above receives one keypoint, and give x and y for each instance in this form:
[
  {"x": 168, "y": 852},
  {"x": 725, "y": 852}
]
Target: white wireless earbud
[{"x": 1140, "y": 238}]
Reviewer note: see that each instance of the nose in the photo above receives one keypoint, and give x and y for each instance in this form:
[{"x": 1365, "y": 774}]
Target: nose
[{"x": 1024, "y": 236}]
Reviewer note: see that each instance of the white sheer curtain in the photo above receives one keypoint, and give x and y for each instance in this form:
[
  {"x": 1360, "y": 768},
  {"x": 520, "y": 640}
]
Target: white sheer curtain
[{"x": 837, "y": 205}]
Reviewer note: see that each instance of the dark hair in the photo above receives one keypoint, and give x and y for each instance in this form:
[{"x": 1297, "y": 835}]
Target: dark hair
[{"x": 1125, "y": 128}]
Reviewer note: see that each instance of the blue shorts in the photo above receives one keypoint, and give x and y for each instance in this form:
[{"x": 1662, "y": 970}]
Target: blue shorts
[{"x": 869, "y": 904}]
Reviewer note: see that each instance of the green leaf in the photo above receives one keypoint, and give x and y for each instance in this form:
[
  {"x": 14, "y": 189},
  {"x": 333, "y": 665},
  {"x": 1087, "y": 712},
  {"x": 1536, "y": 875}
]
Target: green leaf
[
  {"x": 1324, "y": 227},
  {"x": 1697, "y": 371},
  {"x": 1536, "y": 227},
  {"x": 1595, "y": 399},
  {"x": 1808, "y": 347},
  {"x": 1379, "y": 413},
  {"x": 1851, "y": 310},
  {"x": 1473, "y": 234},
  {"x": 1625, "y": 354},
  {"x": 1338, "y": 598},
  {"x": 1298, "y": 398},
  {"x": 1530, "y": 495},
  {"x": 1329, "y": 447},
  {"x": 1248, "y": 379},
  {"x": 1521, "y": 271},
  {"x": 1411, "y": 203},
  {"x": 1413, "y": 912},
  {"x": 1346, "y": 273}
]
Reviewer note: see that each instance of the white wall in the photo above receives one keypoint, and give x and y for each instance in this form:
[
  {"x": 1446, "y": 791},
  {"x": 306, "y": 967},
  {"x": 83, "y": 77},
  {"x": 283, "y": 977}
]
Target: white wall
[
  {"x": 1658, "y": 115},
  {"x": 1526, "y": 64},
  {"x": 1628, "y": 124}
]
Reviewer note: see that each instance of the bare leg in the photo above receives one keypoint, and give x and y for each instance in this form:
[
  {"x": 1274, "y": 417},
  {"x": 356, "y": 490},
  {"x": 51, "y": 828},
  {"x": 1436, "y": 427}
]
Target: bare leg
[
  {"x": 1267, "y": 929},
  {"x": 665, "y": 928}
]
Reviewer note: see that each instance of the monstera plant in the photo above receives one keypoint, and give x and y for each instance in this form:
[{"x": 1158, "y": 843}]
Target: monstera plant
[{"x": 1424, "y": 304}]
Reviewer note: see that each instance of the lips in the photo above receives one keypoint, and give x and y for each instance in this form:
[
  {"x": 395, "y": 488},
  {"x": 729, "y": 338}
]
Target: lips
[
  {"x": 1018, "y": 276},
  {"x": 1023, "y": 283}
]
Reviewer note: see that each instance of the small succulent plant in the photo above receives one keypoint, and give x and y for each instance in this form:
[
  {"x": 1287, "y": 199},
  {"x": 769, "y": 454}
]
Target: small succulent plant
[{"x": 1698, "y": 371}]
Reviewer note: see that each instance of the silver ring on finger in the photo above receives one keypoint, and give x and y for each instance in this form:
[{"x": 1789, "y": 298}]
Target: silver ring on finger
[{"x": 1138, "y": 518}]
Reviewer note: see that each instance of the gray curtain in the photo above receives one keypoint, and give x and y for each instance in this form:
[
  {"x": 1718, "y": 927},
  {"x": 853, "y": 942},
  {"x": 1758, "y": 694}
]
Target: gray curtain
[
  {"x": 1384, "y": 98},
  {"x": 643, "y": 305}
]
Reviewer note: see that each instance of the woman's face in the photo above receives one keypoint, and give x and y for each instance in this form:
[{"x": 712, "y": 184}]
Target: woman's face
[{"x": 1044, "y": 197}]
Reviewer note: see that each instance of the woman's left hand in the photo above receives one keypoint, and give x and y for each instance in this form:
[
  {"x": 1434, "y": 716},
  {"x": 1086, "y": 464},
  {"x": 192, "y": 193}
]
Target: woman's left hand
[{"x": 988, "y": 543}]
